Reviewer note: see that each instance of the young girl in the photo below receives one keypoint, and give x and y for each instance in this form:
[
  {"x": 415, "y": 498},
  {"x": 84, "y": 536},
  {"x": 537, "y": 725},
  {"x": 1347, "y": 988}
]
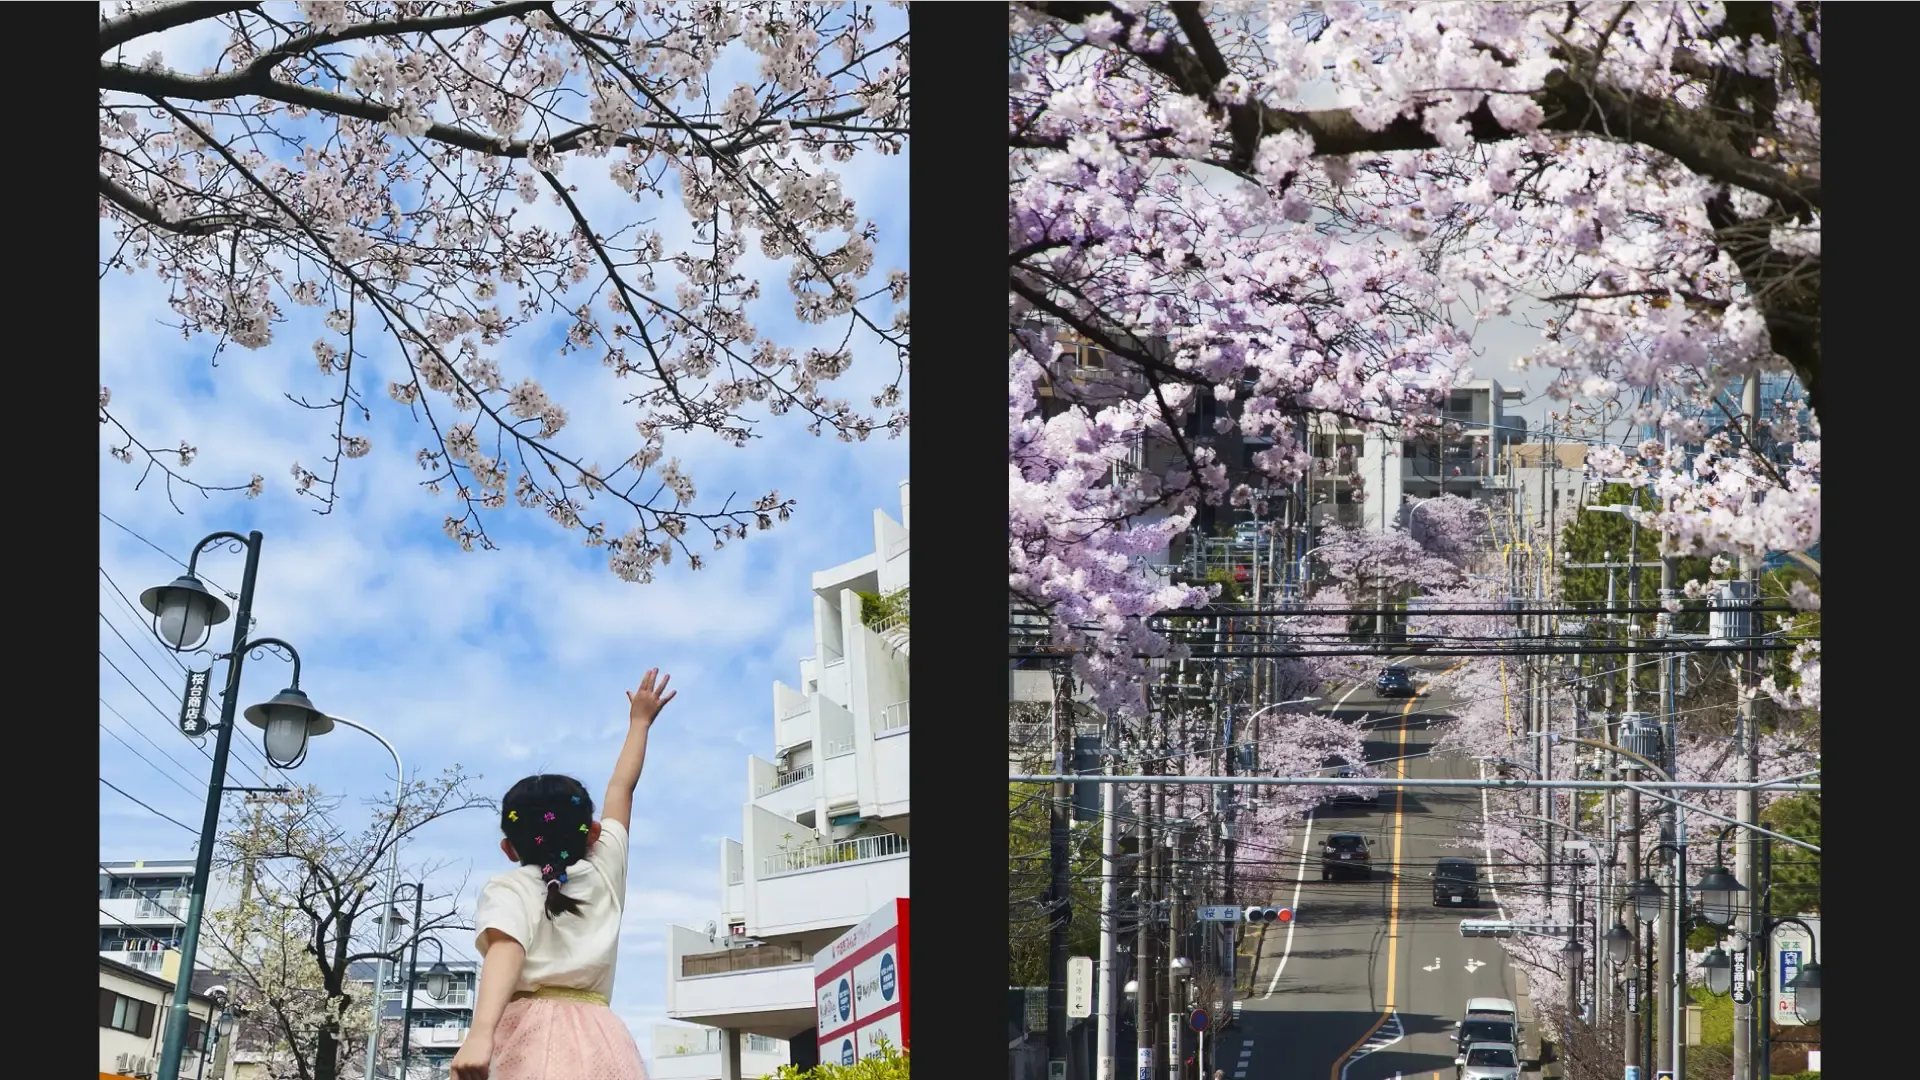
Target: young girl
[{"x": 549, "y": 929}]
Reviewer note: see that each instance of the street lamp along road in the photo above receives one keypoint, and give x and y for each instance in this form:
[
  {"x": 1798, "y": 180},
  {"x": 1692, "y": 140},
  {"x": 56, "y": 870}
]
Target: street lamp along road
[
  {"x": 1718, "y": 888},
  {"x": 1619, "y": 944},
  {"x": 184, "y": 615}
]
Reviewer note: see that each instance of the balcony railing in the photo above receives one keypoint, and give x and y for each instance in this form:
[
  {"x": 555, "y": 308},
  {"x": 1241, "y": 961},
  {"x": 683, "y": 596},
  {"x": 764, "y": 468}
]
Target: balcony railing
[
  {"x": 892, "y": 718},
  {"x": 173, "y": 907},
  {"x": 708, "y": 1042},
  {"x": 839, "y": 745},
  {"x": 147, "y": 960},
  {"x": 745, "y": 959},
  {"x": 813, "y": 856},
  {"x": 457, "y": 998},
  {"x": 792, "y": 776}
]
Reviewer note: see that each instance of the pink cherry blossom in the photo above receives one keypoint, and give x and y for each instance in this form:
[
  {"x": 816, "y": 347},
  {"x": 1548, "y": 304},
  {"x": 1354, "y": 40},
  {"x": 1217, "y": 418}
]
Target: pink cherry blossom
[{"x": 412, "y": 170}]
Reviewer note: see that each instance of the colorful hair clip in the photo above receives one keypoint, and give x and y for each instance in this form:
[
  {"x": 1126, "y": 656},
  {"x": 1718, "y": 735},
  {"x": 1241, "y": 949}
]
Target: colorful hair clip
[
  {"x": 563, "y": 856},
  {"x": 547, "y": 870},
  {"x": 549, "y": 816},
  {"x": 513, "y": 815},
  {"x": 539, "y": 839},
  {"x": 576, "y": 800},
  {"x": 563, "y": 877},
  {"x": 583, "y": 828}
]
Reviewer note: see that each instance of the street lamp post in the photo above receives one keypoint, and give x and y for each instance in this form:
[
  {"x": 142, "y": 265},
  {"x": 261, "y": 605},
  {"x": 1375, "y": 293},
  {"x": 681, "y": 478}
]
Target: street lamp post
[
  {"x": 184, "y": 615},
  {"x": 393, "y": 876},
  {"x": 436, "y": 976}
]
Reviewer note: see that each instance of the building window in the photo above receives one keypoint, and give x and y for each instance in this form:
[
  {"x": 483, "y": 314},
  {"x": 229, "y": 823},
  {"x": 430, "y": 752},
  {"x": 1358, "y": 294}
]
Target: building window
[{"x": 122, "y": 1013}]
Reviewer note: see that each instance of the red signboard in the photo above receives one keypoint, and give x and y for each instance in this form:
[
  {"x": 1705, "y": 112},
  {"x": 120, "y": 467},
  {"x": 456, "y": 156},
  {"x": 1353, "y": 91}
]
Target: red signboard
[{"x": 860, "y": 986}]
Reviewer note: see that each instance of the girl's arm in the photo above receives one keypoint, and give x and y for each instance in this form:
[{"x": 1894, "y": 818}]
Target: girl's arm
[
  {"x": 499, "y": 973},
  {"x": 642, "y": 706}
]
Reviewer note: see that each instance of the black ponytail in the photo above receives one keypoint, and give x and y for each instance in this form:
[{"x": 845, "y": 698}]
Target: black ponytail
[{"x": 547, "y": 819}]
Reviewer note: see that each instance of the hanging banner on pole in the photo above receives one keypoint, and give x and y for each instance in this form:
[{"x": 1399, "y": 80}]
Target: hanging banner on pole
[
  {"x": 1741, "y": 993},
  {"x": 1791, "y": 949},
  {"x": 193, "y": 704}
]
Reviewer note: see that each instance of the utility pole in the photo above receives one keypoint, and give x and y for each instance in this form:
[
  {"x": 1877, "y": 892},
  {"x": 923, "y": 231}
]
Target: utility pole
[
  {"x": 1109, "y": 987},
  {"x": 1177, "y": 919},
  {"x": 1059, "y": 895},
  {"x": 1747, "y": 736},
  {"x": 1146, "y": 1014}
]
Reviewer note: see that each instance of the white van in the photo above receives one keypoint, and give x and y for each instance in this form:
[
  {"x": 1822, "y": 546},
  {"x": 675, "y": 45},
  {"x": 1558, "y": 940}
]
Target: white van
[{"x": 1496, "y": 1006}]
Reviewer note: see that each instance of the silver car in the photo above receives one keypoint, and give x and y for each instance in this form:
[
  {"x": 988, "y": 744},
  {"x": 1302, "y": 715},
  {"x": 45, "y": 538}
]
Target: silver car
[{"x": 1488, "y": 1061}]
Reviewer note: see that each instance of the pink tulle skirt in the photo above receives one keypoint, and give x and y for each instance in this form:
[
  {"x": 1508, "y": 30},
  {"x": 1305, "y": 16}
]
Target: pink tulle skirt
[{"x": 557, "y": 1039}]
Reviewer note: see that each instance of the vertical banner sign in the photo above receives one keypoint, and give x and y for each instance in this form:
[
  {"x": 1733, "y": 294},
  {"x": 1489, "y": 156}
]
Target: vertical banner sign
[
  {"x": 1079, "y": 987},
  {"x": 1791, "y": 948},
  {"x": 1173, "y": 1046},
  {"x": 193, "y": 704},
  {"x": 1633, "y": 1002},
  {"x": 1146, "y": 1064},
  {"x": 1741, "y": 993},
  {"x": 860, "y": 985}
]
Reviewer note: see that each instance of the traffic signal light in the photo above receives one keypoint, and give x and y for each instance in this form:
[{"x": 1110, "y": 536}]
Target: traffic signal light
[
  {"x": 1259, "y": 916},
  {"x": 1499, "y": 928}
]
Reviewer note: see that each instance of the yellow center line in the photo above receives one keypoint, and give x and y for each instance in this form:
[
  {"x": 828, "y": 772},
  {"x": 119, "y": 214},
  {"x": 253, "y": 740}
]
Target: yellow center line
[{"x": 1393, "y": 892}]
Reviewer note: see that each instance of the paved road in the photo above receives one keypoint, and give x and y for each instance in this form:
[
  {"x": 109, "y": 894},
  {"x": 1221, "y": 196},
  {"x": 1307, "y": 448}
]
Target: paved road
[{"x": 1374, "y": 975}]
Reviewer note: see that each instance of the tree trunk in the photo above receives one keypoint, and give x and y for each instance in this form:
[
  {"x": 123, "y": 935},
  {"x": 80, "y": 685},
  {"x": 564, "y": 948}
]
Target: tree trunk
[{"x": 326, "y": 1055}]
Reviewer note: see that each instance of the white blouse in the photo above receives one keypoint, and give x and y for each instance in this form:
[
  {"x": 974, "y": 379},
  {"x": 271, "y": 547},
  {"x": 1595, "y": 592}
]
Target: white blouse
[{"x": 576, "y": 951}]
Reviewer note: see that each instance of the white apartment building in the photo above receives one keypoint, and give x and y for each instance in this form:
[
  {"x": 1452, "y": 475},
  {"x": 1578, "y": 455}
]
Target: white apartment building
[
  {"x": 1367, "y": 479},
  {"x": 824, "y": 827},
  {"x": 143, "y": 911},
  {"x": 437, "y": 1026}
]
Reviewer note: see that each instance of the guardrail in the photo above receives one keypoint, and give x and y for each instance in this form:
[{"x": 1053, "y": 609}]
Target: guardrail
[{"x": 813, "y": 856}]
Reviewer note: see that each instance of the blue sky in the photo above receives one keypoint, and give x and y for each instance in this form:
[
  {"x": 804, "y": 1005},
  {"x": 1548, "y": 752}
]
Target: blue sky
[{"x": 505, "y": 662}]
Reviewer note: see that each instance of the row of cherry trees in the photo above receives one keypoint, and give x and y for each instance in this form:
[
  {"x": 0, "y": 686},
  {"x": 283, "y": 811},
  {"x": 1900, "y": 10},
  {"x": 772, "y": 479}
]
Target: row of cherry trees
[{"x": 1649, "y": 171}]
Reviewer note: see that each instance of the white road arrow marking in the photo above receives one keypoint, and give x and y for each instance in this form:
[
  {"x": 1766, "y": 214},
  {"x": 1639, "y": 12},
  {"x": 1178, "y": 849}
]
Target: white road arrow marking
[
  {"x": 1473, "y": 965},
  {"x": 1435, "y": 966}
]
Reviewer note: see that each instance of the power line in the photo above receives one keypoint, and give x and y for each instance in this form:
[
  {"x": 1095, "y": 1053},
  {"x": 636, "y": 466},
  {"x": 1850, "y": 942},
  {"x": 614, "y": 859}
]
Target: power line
[
  {"x": 147, "y": 808},
  {"x": 170, "y": 555},
  {"x": 165, "y": 776}
]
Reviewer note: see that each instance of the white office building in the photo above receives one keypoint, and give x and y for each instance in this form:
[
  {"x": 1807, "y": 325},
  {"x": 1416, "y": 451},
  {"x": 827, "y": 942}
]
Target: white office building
[{"x": 824, "y": 824}]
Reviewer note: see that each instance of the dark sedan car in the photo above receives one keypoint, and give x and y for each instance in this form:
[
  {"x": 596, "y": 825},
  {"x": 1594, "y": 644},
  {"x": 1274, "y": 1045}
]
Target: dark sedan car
[
  {"x": 1395, "y": 681},
  {"x": 1346, "y": 855}
]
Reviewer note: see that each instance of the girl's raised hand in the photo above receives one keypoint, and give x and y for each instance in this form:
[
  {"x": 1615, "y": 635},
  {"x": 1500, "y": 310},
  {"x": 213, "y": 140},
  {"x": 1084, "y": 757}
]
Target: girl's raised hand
[{"x": 645, "y": 703}]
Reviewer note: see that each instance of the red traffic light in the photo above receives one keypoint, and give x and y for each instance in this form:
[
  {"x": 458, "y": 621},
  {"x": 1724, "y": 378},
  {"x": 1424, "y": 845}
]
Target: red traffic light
[{"x": 1286, "y": 915}]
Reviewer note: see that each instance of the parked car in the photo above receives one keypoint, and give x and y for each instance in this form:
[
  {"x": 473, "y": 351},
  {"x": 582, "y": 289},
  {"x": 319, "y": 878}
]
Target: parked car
[
  {"x": 1488, "y": 1061},
  {"x": 1249, "y": 534},
  {"x": 1337, "y": 766},
  {"x": 1395, "y": 681},
  {"x": 1346, "y": 854},
  {"x": 1456, "y": 883}
]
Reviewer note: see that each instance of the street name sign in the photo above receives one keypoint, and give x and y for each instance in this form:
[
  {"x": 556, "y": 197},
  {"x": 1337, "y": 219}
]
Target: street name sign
[
  {"x": 1079, "y": 987},
  {"x": 193, "y": 704},
  {"x": 1220, "y": 913}
]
